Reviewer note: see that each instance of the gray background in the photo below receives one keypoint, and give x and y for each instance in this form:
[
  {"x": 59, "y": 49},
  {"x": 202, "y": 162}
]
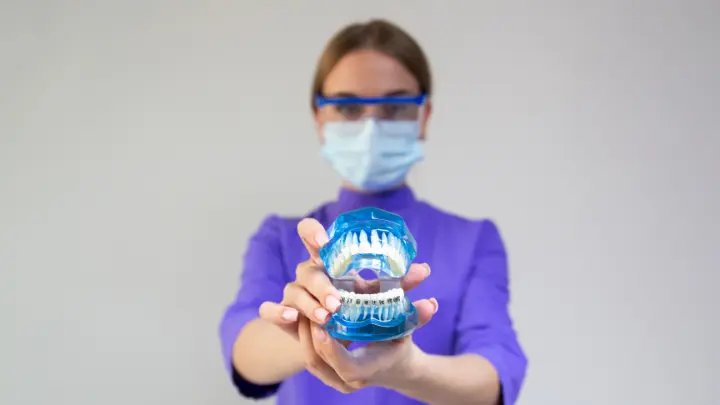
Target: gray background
[{"x": 142, "y": 142}]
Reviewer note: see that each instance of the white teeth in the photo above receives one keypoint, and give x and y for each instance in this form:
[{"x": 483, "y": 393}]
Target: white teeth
[
  {"x": 354, "y": 245},
  {"x": 383, "y": 306},
  {"x": 374, "y": 239},
  {"x": 360, "y": 243}
]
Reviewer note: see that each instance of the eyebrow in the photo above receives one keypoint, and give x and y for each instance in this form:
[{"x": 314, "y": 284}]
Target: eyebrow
[{"x": 393, "y": 93}]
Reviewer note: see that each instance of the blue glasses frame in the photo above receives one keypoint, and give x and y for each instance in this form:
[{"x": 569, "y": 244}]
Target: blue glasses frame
[{"x": 321, "y": 101}]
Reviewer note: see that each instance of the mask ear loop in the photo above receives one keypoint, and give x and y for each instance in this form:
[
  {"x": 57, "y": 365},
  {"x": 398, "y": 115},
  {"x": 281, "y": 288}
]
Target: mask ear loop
[{"x": 421, "y": 122}]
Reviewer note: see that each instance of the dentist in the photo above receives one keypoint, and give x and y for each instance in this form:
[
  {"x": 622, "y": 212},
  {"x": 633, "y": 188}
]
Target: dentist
[{"x": 371, "y": 103}]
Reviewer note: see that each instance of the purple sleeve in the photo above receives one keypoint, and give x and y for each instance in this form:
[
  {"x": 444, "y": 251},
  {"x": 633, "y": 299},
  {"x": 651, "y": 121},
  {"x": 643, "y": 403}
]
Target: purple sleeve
[
  {"x": 484, "y": 326},
  {"x": 263, "y": 279}
]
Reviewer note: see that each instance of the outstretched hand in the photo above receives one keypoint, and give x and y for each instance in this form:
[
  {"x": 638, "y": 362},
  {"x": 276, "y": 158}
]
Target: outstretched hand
[{"x": 311, "y": 299}]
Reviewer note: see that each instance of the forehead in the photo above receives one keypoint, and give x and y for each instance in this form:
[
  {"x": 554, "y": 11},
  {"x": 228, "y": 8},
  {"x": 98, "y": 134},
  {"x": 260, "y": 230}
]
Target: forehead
[{"x": 368, "y": 73}]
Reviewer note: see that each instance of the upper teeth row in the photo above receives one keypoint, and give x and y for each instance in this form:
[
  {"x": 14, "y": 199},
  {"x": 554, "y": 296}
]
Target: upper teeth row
[{"x": 383, "y": 243}]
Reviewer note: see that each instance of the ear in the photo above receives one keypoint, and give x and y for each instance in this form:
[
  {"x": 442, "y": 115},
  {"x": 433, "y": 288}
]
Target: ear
[{"x": 427, "y": 112}]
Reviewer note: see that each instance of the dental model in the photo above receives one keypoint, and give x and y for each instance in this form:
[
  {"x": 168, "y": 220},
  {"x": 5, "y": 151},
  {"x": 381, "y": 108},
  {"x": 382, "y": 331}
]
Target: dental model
[{"x": 370, "y": 239}]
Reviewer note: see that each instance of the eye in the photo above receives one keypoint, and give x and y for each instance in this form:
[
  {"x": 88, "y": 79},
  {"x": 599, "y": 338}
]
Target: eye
[
  {"x": 350, "y": 111},
  {"x": 394, "y": 109}
]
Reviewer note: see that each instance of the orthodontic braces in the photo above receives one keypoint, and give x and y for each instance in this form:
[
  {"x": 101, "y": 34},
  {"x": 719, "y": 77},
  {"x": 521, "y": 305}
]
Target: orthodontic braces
[{"x": 382, "y": 306}]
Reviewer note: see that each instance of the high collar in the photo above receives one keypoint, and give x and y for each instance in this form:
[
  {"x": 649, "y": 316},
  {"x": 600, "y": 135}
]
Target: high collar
[{"x": 390, "y": 200}]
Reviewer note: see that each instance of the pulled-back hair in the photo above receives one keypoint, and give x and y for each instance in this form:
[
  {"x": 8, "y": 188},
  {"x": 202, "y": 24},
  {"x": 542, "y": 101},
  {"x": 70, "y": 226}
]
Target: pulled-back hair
[{"x": 379, "y": 35}]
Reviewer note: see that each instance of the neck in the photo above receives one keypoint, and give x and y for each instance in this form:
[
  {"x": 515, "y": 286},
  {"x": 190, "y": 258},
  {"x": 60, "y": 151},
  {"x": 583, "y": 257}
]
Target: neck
[
  {"x": 390, "y": 199},
  {"x": 349, "y": 186}
]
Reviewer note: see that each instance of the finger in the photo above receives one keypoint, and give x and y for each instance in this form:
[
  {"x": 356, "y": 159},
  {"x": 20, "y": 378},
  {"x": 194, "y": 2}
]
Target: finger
[
  {"x": 316, "y": 282},
  {"x": 278, "y": 314},
  {"x": 426, "y": 308},
  {"x": 297, "y": 297},
  {"x": 313, "y": 236},
  {"x": 363, "y": 286},
  {"x": 314, "y": 363},
  {"x": 336, "y": 356},
  {"x": 415, "y": 275}
]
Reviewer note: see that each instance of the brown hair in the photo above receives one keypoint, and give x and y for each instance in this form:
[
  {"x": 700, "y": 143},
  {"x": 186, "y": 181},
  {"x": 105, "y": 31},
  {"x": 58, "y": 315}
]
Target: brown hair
[{"x": 382, "y": 36}]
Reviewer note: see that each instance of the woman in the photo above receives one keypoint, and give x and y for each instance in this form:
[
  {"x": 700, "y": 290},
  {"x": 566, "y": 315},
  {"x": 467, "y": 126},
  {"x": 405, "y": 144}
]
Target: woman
[{"x": 370, "y": 99}]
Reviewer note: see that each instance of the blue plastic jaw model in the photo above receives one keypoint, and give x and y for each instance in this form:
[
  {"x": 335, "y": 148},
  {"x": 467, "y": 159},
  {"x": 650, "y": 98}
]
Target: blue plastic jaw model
[{"x": 370, "y": 239}]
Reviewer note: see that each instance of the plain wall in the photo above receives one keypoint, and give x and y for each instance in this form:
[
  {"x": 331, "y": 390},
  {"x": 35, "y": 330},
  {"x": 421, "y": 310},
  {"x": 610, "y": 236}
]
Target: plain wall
[{"x": 141, "y": 143}]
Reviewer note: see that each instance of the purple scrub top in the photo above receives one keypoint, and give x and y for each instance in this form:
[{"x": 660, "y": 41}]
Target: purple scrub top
[{"x": 469, "y": 279}]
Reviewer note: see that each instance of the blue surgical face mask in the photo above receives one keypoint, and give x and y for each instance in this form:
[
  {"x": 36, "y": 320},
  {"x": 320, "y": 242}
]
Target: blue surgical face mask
[{"x": 370, "y": 154}]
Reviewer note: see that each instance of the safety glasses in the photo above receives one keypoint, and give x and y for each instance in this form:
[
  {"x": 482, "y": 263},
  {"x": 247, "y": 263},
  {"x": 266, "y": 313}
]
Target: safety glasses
[{"x": 391, "y": 108}]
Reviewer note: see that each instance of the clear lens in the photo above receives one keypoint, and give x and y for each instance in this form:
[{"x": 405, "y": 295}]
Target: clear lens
[
  {"x": 356, "y": 109},
  {"x": 382, "y": 111}
]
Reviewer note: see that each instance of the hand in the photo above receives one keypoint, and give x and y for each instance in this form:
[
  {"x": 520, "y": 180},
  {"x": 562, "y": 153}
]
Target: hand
[
  {"x": 379, "y": 363},
  {"x": 312, "y": 294},
  {"x": 311, "y": 299},
  {"x": 296, "y": 296}
]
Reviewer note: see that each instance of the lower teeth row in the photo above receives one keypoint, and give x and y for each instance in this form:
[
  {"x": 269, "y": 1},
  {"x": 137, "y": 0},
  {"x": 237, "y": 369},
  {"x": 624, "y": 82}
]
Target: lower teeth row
[{"x": 383, "y": 307}]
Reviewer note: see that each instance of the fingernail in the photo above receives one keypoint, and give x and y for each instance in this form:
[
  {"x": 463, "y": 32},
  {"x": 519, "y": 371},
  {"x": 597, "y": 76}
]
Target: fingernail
[
  {"x": 427, "y": 269},
  {"x": 319, "y": 334},
  {"x": 290, "y": 315},
  {"x": 435, "y": 305},
  {"x": 321, "y": 314},
  {"x": 321, "y": 239},
  {"x": 332, "y": 303}
]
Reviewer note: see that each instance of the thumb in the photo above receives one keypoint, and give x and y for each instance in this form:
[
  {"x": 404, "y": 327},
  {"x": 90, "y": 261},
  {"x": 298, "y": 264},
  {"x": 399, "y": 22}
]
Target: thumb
[
  {"x": 426, "y": 308},
  {"x": 313, "y": 236}
]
